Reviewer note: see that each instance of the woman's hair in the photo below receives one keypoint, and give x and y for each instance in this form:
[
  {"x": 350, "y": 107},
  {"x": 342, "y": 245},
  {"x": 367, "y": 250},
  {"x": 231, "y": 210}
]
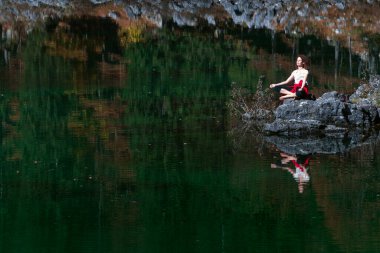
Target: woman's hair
[{"x": 305, "y": 60}]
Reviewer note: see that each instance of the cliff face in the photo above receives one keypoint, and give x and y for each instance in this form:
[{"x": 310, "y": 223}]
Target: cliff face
[
  {"x": 347, "y": 23},
  {"x": 287, "y": 15}
]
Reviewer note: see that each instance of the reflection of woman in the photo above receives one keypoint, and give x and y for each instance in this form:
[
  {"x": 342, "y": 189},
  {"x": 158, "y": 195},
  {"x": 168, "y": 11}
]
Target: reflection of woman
[
  {"x": 299, "y": 76},
  {"x": 300, "y": 172}
]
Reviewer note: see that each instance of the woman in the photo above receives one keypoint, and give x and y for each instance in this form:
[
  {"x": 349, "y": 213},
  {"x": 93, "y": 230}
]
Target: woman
[{"x": 299, "y": 76}]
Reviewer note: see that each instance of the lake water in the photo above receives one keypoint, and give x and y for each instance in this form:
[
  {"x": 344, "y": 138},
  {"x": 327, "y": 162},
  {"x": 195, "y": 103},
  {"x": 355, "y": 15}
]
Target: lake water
[{"x": 110, "y": 149}]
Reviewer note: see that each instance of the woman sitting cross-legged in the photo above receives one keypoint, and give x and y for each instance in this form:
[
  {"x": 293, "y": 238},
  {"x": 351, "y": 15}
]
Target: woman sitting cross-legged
[{"x": 299, "y": 76}]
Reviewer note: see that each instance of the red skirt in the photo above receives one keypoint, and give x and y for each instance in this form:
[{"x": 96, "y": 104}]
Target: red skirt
[{"x": 296, "y": 87}]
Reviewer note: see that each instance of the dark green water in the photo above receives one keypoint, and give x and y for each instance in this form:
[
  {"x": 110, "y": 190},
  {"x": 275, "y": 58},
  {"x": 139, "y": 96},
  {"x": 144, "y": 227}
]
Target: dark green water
[{"x": 129, "y": 150}]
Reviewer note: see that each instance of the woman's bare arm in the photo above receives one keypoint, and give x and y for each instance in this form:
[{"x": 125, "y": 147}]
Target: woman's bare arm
[{"x": 290, "y": 78}]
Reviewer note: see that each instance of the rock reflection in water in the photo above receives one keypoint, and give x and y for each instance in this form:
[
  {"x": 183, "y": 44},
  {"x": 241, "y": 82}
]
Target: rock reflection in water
[
  {"x": 327, "y": 144},
  {"x": 297, "y": 166}
]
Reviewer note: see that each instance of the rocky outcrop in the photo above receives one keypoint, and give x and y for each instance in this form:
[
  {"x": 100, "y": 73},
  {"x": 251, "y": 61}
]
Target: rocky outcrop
[
  {"x": 342, "y": 22},
  {"x": 269, "y": 14},
  {"x": 331, "y": 114},
  {"x": 368, "y": 94}
]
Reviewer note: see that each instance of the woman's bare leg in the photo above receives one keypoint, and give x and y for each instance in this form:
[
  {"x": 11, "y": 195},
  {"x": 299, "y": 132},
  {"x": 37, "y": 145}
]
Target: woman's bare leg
[
  {"x": 291, "y": 95},
  {"x": 285, "y": 91}
]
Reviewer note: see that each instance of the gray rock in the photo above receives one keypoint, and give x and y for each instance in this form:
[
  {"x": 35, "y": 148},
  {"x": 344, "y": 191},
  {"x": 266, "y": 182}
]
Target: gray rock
[
  {"x": 368, "y": 93},
  {"x": 210, "y": 19},
  {"x": 113, "y": 15},
  {"x": 184, "y": 20},
  {"x": 153, "y": 16},
  {"x": 329, "y": 114},
  {"x": 133, "y": 11},
  {"x": 374, "y": 81},
  {"x": 99, "y": 1},
  {"x": 333, "y": 130},
  {"x": 294, "y": 127},
  {"x": 340, "y": 6}
]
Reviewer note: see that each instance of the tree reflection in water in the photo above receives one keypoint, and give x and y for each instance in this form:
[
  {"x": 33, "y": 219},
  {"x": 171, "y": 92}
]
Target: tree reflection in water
[
  {"x": 300, "y": 170},
  {"x": 123, "y": 153}
]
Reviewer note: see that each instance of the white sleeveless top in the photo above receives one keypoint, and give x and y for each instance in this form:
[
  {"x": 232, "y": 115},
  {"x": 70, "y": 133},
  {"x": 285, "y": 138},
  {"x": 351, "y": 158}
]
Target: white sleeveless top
[{"x": 299, "y": 74}]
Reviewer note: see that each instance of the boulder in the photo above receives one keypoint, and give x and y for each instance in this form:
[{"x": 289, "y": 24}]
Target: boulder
[
  {"x": 368, "y": 93},
  {"x": 330, "y": 114}
]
